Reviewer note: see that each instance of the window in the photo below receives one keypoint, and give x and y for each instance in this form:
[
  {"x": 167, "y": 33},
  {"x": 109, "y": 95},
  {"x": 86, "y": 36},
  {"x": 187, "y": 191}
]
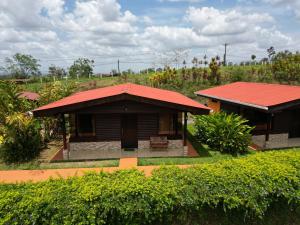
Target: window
[{"x": 86, "y": 125}]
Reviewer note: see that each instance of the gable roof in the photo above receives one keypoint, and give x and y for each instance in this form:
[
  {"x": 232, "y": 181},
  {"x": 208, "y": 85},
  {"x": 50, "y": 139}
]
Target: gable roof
[
  {"x": 258, "y": 95},
  {"x": 29, "y": 95},
  {"x": 128, "y": 89}
]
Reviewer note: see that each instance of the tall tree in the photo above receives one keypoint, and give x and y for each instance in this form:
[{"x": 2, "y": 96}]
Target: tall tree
[
  {"x": 21, "y": 66},
  {"x": 56, "y": 71},
  {"x": 82, "y": 67}
]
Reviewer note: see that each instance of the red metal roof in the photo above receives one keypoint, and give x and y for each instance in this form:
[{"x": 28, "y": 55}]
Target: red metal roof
[
  {"x": 29, "y": 95},
  {"x": 131, "y": 89},
  {"x": 255, "y": 94}
]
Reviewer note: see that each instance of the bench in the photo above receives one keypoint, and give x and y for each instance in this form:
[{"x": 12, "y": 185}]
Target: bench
[{"x": 159, "y": 142}]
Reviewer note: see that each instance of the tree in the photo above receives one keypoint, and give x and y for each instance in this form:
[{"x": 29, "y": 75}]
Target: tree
[
  {"x": 10, "y": 101},
  {"x": 195, "y": 62},
  {"x": 56, "y": 71},
  {"x": 22, "y": 66},
  {"x": 253, "y": 57},
  {"x": 82, "y": 67},
  {"x": 215, "y": 70},
  {"x": 271, "y": 52},
  {"x": 205, "y": 60}
]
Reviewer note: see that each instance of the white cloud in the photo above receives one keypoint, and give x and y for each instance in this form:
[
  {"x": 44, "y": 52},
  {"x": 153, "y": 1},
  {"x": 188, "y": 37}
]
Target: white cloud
[
  {"x": 293, "y": 5},
  {"x": 190, "y": 1},
  {"x": 48, "y": 31},
  {"x": 211, "y": 21}
]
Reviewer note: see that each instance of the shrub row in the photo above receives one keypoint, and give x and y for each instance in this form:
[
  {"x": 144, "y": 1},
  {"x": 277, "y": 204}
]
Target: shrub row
[{"x": 260, "y": 189}]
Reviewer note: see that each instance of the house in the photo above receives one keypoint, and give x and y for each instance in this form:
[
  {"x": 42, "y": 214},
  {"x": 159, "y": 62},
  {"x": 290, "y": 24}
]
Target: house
[
  {"x": 31, "y": 96},
  {"x": 123, "y": 120},
  {"x": 273, "y": 109}
]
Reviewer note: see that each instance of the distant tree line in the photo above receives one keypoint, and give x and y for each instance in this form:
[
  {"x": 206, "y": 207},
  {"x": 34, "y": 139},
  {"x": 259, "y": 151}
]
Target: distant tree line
[{"x": 22, "y": 66}]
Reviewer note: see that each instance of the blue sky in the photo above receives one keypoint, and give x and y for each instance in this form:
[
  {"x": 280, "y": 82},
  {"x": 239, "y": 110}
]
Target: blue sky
[{"x": 145, "y": 33}]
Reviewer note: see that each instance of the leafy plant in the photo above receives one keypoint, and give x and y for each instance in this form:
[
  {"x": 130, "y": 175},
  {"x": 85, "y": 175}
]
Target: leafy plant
[
  {"x": 22, "y": 139},
  {"x": 227, "y": 133}
]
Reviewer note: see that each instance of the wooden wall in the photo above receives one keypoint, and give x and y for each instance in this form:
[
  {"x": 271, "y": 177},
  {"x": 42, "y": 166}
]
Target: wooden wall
[
  {"x": 214, "y": 105},
  {"x": 147, "y": 126},
  {"x": 108, "y": 127}
]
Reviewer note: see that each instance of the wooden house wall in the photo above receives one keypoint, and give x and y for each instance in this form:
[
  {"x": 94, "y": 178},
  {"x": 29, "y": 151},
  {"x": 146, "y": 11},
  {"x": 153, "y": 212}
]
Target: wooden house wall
[
  {"x": 108, "y": 127},
  {"x": 147, "y": 126},
  {"x": 108, "y": 120}
]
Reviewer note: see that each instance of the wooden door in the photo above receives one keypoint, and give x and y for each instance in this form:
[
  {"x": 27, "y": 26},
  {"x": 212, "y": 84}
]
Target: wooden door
[{"x": 129, "y": 131}]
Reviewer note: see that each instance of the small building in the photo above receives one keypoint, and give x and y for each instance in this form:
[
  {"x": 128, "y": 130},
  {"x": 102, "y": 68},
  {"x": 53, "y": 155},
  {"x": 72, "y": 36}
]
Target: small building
[
  {"x": 273, "y": 109},
  {"x": 123, "y": 120}
]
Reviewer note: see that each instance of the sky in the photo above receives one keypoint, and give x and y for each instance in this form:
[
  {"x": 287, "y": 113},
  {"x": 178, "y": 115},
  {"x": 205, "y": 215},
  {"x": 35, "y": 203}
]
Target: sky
[{"x": 145, "y": 33}]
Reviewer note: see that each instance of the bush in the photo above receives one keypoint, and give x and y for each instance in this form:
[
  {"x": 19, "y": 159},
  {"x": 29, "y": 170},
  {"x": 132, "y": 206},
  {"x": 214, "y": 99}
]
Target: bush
[
  {"x": 22, "y": 139},
  {"x": 236, "y": 192},
  {"x": 227, "y": 133}
]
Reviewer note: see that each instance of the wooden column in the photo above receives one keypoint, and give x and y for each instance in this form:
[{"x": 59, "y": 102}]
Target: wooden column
[
  {"x": 64, "y": 132},
  {"x": 269, "y": 120},
  {"x": 76, "y": 125},
  {"x": 185, "y": 129}
]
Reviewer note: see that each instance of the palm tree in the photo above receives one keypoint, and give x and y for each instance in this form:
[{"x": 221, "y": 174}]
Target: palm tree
[
  {"x": 195, "y": 62},
  {"x": 271, "y": 52}
]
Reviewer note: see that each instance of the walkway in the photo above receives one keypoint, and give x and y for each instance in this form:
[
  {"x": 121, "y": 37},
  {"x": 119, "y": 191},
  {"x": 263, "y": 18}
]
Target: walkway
[{"x": 17, "y": 176}]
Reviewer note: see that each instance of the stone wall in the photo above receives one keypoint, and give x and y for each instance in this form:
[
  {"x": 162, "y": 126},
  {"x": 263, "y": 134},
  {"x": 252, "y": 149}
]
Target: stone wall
[
  {"x": 275, "y": 141},
  {"x": 95, "y": 150},
  {"x": 112, "y": 149},
  {"x": 173, "y": 144}
]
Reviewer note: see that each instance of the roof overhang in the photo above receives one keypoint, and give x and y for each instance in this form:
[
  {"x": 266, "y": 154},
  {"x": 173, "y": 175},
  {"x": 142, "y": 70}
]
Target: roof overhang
[
  {"x": 234, "y": 101},
  {"x": 66, "y": 109}
]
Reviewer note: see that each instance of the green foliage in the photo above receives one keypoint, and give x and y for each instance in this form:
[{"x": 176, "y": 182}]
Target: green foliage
[
  {"x": 234, "y": 192},
  {"x": 82, "y": 67},
  {"x": 55, "y": 71},
  {"x": 215, "y": 75},
  {"x": 22, "y": 139},
  {"x": 22, "y": 66},
  {"x": 286, "y": 67},
  {"x": 56, "y": 90},
  {"x": 227, "y": 133},
  {"x": 10, "y": 101},
  {"x": 49, "y": 93}
]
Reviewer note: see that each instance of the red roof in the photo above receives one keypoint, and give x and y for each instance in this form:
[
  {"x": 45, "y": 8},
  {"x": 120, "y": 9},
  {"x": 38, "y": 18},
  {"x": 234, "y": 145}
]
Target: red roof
[
  {"x": 131, "y": 89},
  {"x": 29, "y": 95},
  {"x": 256, "y": 94}
]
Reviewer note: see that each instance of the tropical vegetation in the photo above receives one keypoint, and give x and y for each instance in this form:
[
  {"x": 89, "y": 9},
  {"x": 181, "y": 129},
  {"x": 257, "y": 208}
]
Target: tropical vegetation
[
  {"x": 227, "y": 133},
  {"x": 262, "y": 189}
]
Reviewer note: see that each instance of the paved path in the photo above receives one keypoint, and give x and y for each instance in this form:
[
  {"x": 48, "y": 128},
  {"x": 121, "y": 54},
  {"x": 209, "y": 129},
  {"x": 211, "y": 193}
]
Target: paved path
[{"x": 128, "y": 163}]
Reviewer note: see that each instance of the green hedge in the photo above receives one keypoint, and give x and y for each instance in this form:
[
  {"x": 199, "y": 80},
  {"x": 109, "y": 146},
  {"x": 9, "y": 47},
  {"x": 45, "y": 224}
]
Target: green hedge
[{"x": 260, "y": 189}]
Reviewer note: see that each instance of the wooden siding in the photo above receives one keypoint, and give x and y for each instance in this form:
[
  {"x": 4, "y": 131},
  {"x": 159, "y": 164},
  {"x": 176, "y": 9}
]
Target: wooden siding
[
  {"x": 147, "y": 126},
  {"x": 214, "y": 105},
  {"x": 126, "y": 107},
  {"x": 108, "y": 127}
]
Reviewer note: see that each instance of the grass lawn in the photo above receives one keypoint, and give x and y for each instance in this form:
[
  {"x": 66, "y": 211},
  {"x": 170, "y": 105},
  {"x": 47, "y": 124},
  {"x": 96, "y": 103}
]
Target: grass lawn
[
  {"x": 214, "y": 157},
  {"x": 60, "y": 165}
]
